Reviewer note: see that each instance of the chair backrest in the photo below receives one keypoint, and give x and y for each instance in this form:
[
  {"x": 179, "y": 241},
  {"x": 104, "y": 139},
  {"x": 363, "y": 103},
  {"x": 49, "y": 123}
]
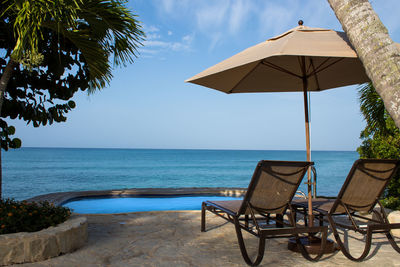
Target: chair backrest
[
  {"x": 273, "y": 185},
  {"x": 365, "y": 184}
]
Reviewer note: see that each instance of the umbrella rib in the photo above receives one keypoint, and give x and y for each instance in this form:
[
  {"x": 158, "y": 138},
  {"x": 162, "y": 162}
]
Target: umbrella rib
[
  {"x": 320, "y": 68},
  {"x": 316, "y": 70},
  {"x": 245, "y": 76},
  {"x": 271, "y": 65},
  {"x": 316, "y": 76}
]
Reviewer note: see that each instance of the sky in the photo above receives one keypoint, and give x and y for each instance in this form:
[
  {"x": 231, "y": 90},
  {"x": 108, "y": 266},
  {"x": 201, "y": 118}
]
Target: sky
[{"x": 148, "y": 104}]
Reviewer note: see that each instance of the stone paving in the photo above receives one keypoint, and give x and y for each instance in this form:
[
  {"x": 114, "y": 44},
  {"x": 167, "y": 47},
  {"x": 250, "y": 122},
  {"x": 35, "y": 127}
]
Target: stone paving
[{"x": 173, "y": 238}]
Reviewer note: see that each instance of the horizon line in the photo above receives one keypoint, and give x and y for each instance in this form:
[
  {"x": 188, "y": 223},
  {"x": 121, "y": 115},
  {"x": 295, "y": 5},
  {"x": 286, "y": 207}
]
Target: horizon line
[{"x": 226, "y": 149}]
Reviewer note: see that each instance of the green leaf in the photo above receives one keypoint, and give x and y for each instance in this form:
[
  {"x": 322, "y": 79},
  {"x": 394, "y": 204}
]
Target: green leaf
[
  {"x": 16, "y": 143},
  {"x": 11, "y": 130},
  {"x": 71, "y": 104}
]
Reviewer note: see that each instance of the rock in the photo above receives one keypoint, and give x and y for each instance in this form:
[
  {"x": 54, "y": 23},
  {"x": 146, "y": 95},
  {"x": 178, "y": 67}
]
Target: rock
[{"x": 394, "y": 217}]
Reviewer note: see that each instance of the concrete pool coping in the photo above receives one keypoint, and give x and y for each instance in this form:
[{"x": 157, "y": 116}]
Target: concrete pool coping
[{"x": 61, "y": 198}]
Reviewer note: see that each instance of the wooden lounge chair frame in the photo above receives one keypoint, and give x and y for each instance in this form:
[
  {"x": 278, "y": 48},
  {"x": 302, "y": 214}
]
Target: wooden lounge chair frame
[
  {"x": 262, "y": 210},
  {"x": 356, "y": 198}
]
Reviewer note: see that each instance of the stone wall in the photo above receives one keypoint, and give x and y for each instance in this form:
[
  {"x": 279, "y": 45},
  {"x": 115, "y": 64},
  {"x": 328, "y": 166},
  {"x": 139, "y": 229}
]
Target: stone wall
[{"x": 37, "y": 246}]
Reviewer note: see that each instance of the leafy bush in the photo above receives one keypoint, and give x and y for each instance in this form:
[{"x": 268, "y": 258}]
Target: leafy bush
[
  {"x": 380, "y": 139},
  {"x": 22, "y": 216}
]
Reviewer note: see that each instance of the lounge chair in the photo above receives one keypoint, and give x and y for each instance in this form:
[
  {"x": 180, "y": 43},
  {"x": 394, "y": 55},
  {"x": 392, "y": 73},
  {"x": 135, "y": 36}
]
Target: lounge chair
[
  {"x": 358, "y": 197},
  {"x": 262, "y": 210}
]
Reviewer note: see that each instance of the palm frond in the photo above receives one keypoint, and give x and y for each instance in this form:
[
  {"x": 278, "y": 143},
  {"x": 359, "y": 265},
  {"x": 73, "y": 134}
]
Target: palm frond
[
  {"x": 373, "y": 110},
  {"x": 116, "y": 27},
  {"x": 100, "y": 29}
]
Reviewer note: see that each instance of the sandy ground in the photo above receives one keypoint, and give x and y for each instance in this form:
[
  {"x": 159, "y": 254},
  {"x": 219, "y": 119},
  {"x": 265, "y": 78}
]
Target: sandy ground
[{"x": 173, "y": 238}]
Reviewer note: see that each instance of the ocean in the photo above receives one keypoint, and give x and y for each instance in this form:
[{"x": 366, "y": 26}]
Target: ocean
[{"x": 28, "y": 172}]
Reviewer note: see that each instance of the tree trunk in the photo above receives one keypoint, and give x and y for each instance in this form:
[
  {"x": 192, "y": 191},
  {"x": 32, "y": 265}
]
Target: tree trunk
[
  {"x": 378, "y": 53},
  {"x": 3, "y": 85}
]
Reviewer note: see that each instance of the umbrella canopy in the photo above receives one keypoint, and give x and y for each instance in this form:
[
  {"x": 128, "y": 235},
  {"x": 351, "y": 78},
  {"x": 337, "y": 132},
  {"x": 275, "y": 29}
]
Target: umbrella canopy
[
  {"x": 324, "y": 57},
  {"x": 302, "y": 59}
]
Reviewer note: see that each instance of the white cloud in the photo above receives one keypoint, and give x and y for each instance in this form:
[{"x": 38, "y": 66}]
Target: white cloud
[
  {"x": 220, "y": 20},
  {"x": 211, "y": 17},
  {"x": 216, "y": 19},
  {"x": 149, "y": 51},
  {"x": 188, "y": 38},
  {"x": 167, "y": 5},
  {"x": 275, "y": 19},
  {"x": 152, "y": 36},
  {"x": 240, "y": 10},
  {"x": 171, "y": 6},
  {"x": 150, "y": 29},
  {"x": 215, "y": 39},
  {"x": 155, "y": 44},
  {"x": 183, "y": 45}
]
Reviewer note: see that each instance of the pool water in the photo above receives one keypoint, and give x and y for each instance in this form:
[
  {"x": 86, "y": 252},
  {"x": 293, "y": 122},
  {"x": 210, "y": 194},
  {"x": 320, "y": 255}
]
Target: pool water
[{"x": 135, "y": 204}]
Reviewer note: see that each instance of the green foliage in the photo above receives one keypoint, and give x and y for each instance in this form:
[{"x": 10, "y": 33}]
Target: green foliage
[
  {"x": 41, "y": 96},
  {"x": 380, "y": 139},
  {"x": 99, "y": 29},
  {"x": 63, "y": 47},
  {"x": 17, "y": 216}
]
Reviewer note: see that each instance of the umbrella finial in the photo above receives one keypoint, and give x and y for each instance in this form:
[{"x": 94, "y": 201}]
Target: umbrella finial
[{"x": 300, "y": 22}]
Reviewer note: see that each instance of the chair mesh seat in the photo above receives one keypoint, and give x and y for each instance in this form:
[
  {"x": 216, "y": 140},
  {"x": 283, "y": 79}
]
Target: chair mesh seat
[{"x": 232, "y": 205}]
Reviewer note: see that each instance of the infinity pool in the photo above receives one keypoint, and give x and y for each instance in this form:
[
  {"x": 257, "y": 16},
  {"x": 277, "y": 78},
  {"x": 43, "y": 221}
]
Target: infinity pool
[{"x": 134, "y": 204}]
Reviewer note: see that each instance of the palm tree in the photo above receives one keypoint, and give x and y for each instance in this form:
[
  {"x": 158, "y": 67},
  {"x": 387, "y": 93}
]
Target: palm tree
[
  {"x": 378, "y": 53},
  {"x": 100, "y": 30}
]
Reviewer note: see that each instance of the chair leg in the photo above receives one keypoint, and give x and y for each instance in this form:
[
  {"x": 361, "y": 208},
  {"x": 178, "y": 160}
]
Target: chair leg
[
  {"x": 203, "y": 217},
  {"x": 261, "y": 246},
  {"x": 384, "y": 219},
  {"x": 279, "y": 220},
  {"x": 344, "y": 250},
  {"x": 321, "y": 220},
  {"x": 305, "y": 217},
  {"x": 392, "y": 242}
]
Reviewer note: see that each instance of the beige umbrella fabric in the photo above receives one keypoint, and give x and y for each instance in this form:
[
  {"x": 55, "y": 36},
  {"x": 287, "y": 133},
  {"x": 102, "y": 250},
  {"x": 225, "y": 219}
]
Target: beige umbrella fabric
[
  {"x": 275, "y": 65},
  {"x": 302, "y": 59}
]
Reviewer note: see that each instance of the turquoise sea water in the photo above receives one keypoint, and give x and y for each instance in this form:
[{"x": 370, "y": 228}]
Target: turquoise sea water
[{"x": 28, "y": 172}]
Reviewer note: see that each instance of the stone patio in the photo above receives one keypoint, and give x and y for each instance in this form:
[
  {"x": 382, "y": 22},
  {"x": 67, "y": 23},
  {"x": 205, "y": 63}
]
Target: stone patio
[{"x": 173, "y": 238}]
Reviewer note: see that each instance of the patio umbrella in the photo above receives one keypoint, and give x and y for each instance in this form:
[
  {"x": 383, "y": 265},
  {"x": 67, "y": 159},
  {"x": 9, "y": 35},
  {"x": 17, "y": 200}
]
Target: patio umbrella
[{"x": 302, "y": 59}]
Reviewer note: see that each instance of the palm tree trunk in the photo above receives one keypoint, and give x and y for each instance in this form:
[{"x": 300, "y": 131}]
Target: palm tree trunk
[
  {"x": 377, "y": 51},
  {"x": 3, "y": 85}
]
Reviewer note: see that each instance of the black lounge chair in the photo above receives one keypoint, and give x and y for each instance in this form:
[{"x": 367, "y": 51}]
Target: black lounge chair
[
  {"x": 261, "y": 212},
  {"x": 359, "y": 195}
]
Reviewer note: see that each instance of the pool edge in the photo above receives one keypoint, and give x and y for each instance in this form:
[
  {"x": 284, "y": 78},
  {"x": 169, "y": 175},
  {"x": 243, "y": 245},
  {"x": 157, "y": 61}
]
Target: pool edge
[{"x": 59, "y": 198}]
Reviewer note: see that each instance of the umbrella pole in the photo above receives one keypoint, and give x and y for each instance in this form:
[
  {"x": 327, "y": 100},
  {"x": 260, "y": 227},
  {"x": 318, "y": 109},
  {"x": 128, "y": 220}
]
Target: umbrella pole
[
  {"x": 311, "y": 243},
  {"x": 308, "y": 149}
]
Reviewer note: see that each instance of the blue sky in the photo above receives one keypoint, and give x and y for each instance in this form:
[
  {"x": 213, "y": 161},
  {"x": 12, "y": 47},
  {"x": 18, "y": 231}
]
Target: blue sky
[{"x": 148, "y": 104}]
